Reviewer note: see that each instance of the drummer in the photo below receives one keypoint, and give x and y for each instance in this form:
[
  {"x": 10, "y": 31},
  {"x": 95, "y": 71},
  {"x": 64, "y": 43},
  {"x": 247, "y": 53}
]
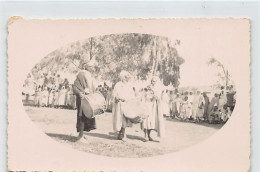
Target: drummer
[
  {"x": 84, "y": 85},
  {"x": 123, "y": 91}
]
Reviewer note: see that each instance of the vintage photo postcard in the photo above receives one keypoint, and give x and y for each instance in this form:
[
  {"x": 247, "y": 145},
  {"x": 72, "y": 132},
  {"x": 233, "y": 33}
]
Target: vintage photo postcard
[{"x": 129, "y": 95}]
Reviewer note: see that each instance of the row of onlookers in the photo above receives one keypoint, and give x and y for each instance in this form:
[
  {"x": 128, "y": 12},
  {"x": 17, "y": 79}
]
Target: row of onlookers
[
  {"x": 198, "y": 107},
  {"x": 188, "y": 106}
]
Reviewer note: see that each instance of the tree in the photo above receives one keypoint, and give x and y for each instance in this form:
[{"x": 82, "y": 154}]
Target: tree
[
  {"x": 142, "y": 55},
  {"x": 223, "y": 73}
]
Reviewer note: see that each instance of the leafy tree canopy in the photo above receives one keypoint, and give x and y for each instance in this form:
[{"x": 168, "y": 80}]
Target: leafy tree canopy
[{"x": 142, "y": 55}]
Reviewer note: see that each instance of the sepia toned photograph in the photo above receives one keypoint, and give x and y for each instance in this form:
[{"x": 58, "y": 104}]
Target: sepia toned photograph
[
  {"x": 118, "y": 95},
  {"x": 136, "y": 89}
]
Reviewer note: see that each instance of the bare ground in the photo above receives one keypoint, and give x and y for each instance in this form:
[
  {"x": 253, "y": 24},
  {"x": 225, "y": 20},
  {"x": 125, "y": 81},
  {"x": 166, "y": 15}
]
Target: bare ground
[{"x": 60, "y": 124}]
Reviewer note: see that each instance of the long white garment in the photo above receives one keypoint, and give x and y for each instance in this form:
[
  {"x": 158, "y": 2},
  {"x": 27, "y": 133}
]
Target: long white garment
[
  {"x": 191, "y": 98},
  {"x": 190, "y": 102},
  {"x": 185, "y": 109},
  {"x": 197, "y": 101},
  {"x": 165, "y": 104},
  {"x": 178, "y": 103},
  {"x": 150, "y": 110},
  {"x": 124, "y": 91},
  {"x": 51, "y": 97},
  {"x": 157, "y": 109},
  {"x": 71, "y": 99},
  {"x": 56, "y": 98},
  {"x": 45, "y": 97},
  {"x": 37, "y": 98},
  {"x": 62, "y": 97}
]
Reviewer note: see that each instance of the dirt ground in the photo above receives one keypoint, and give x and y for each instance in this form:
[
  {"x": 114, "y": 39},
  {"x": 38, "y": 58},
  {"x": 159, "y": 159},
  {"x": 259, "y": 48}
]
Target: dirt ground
[{"x": 60, "y": 124}]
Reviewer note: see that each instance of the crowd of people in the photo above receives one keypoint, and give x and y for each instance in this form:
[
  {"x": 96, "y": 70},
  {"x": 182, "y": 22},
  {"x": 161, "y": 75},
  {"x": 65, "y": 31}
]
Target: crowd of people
[
  {"x": 56, "y": 92},
  {"x": 60, "y": 98},
  {"x": 196, "y": 106},
  {"x": 156, "y": 102}
]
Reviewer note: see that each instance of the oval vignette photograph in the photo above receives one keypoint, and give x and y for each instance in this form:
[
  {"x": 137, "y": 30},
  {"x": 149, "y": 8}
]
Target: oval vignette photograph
[{"x": 129, "y": 95}]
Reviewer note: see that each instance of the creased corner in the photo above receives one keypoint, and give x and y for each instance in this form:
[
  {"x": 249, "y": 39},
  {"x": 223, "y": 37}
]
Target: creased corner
[{"x": 13, "y": 19}]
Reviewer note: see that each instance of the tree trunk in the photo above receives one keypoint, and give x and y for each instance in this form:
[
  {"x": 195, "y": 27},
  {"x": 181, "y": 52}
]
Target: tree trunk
[
  {"x": 154, "y": 58},
  {"x": 90, "y": 51},
  {"x": 227, "y": 80}
]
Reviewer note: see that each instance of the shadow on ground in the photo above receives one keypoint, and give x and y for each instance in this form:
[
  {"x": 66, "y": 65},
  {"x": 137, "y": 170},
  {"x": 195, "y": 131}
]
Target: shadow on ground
[
  {"x": 109, "y": 136},
  {"x": 128, "y": 136},
  {"x": 103, "y": 136},
  {"x": 62, "y": 137},
  {"x": 112, "y": 136}
]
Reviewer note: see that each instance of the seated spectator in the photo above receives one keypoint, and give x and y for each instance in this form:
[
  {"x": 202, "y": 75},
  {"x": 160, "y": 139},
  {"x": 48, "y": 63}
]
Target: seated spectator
[{"x": 214, "y": 115}]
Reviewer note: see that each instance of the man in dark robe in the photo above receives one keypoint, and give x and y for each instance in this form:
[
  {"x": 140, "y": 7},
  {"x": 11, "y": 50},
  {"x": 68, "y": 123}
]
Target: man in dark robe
[
  {"x": 206, "y": 99},
  {"x": 83, "y": 85},
  {"x": 214, "y": 102}
]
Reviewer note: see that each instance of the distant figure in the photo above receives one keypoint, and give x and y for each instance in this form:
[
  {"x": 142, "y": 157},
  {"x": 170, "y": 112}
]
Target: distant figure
[
  {"x": 190, "y": 100},
  {"x": 206, "y": 99},
  {"x": 231, "y": 98},
  {"x": 197, "y": 106},
  {"x": 56, "y": 99},
  {"x": 176, "y": 104},
  {"x": 172, "y": 105},
  {"x": 109, "y": 100},
  {"x": 65, "y": 83},
  {"x": 29, "y": 88},
  {"x": 214, "y": 115},
  {"x": 70, "y": 98},
  {"x": 222, "y": 98},
  {"x": 51, "y": 98},
  {"x": 190, "y": 97},
  {"x": 225, "y": 115},
  {"x": 44, "y": 97},
  {"x": 41, "y": 81},
  {"x": 62, "y": 97},
  {"x": 185, "y": 109},
  {"x": 165, "y": 103},
  {"x": 50, "y": 83},
  {"x": 37, "y": 96},
  {"x": 214, "y": 102},
  {"x": 56, "y": 82},
  {"x": 60, "y": 81}
]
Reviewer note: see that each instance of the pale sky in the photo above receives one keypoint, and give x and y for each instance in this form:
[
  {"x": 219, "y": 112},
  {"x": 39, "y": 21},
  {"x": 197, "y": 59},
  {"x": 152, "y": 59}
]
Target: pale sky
[
  {"x": 225, "y": 40},
  {"x": 197, "y": 73},
  {"x": 201, "y": 41}
]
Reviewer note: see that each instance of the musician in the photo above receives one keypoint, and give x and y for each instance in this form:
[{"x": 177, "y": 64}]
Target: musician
[
  {"x": 84, "y": 85},
  {"x": 123, "y": 91}
]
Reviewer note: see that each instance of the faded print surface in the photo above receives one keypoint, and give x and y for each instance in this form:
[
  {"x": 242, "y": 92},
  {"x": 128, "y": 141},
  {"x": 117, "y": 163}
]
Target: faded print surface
[
  {"x": 197, "y": 70},
  {"x": 192, "y": 113}
]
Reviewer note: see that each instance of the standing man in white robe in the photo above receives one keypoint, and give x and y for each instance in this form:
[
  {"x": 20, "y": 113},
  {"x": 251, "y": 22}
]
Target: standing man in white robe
[
  {"x": 198, "y": 101},
  {"x": 122, "y": 92}
]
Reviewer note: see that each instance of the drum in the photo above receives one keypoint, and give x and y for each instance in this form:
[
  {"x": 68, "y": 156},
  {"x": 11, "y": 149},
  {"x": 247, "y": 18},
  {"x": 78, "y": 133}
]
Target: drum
[
  {"x": 134, "y": 110},
  {"x": 93, "y": 104}
]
